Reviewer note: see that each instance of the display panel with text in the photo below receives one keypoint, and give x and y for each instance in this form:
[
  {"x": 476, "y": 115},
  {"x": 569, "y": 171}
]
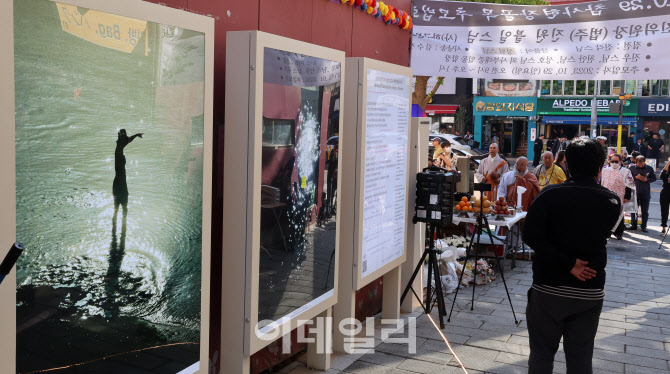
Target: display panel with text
[{"x": 387, "y": 110}]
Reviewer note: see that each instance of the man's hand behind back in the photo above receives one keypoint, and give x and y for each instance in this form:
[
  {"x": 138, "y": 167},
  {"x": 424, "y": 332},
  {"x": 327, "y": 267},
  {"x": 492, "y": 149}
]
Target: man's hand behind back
[{"x": 581, "y": 271}]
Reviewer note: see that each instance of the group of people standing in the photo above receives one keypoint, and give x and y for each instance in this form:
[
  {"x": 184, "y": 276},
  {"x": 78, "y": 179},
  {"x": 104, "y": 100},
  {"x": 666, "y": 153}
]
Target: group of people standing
[
  {"x": 504, "y": 181},
  {"x": 651, "y": 150},
  {"x": 631, "y": 183}
]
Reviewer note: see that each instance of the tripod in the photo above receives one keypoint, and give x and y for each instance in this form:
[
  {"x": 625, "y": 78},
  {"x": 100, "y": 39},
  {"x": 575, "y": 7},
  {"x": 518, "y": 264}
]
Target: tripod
[
  {"x": 478, "y": 230},
  {"x": 660, "y": 245},
  {"x": 434, "y": 273}
]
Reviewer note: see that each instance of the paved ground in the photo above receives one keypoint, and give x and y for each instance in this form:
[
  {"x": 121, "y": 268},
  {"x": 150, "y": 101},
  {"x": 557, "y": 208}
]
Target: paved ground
[{"x": 633, "y": 335}]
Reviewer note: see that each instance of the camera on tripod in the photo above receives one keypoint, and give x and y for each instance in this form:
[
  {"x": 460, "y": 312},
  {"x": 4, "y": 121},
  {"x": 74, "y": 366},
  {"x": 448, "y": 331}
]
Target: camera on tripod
[
  {"x": 483, "y": 187},
  {"x": 435, "y": 188}
]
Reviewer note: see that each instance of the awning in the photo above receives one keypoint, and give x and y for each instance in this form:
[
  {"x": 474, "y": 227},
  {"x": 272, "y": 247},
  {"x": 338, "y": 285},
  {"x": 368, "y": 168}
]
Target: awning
[
  {"x": 433, "y": 109},
  {"x": 586, "y": 120}
]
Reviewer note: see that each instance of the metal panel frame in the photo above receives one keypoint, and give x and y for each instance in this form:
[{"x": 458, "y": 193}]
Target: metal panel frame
[
  {"x": 129, "y": 8},
  {"x": 242, "y": 194},
  {"x": 365, "y": 64}
]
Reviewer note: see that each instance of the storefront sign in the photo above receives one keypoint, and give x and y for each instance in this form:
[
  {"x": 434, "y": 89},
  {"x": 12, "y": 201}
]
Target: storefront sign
[
  {"x": 504, "y": 107},
  {"x": 607, "y": 40},
  {"x": 580, "y": 106},
  {"x": 655, "y": 107}
]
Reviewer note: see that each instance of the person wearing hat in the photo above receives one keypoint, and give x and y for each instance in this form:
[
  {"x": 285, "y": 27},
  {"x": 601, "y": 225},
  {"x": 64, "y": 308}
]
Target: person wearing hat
[{"x": 655, "y": 147}]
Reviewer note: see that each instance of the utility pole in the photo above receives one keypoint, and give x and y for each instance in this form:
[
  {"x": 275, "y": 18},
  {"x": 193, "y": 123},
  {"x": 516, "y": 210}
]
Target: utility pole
[
  {"x": 623, "y": 99},
  {"x": 594, "y": 107}
]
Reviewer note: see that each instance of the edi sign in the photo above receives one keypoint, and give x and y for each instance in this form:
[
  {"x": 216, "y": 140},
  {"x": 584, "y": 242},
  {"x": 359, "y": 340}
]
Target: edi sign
[{"x": 605, "y": 40}]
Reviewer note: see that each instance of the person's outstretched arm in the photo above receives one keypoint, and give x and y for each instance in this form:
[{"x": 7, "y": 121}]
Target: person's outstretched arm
[{"x": 134, "y": 136}]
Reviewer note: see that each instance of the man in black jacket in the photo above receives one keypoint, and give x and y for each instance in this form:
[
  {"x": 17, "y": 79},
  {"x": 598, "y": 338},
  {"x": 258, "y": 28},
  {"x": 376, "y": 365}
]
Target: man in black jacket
[
  {"x": 640, "y": 147},
  {"x": 630, "y": 144},
  {"x": 567, "y": 294},
  {"x": 537, "y": 150},
  {"x": 644, "y": 175}
]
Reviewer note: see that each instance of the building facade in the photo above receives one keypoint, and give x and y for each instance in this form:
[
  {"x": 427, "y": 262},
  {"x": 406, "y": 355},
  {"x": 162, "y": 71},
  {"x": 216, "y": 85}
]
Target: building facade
[{"x": 507, "y": 121}]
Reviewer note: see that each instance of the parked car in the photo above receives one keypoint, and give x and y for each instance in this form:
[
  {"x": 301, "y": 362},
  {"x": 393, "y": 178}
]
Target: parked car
[
  {"x": 475, "y": 159},
  {"x": 457, "y": 142}
]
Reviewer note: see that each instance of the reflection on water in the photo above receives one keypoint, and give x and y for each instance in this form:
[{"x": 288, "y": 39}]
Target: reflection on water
[
  {"x": 115, "y": 233},
  {"x": 298, "y": 227}
]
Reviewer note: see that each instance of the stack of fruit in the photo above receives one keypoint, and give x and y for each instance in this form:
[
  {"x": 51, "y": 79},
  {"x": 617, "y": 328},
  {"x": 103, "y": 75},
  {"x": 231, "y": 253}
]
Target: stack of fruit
[
  {"x": 464, "y": 205},
  {"x": 501, "y": 207},
  {"x": 482, "y": 206}
]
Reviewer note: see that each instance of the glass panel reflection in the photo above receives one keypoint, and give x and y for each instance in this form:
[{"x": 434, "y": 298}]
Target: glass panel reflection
[
  {"x": 299, "y": 182},
  {"x": 109, "y": 168}
]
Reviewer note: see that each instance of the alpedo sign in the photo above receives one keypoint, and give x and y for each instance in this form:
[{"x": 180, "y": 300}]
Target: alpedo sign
[{"x": 582, "y": 106}]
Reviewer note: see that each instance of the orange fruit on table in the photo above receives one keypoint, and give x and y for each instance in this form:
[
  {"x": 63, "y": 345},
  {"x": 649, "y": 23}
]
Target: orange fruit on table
[
  {"x": 468, "y": 204},
  {"x": 458, "y": 207},
  {"x": 464, "y": 198},
  {"x": 461, "y": 204}
]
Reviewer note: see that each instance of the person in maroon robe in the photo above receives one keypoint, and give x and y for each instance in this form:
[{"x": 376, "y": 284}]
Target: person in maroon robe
[{"x": 520, "y": 176}]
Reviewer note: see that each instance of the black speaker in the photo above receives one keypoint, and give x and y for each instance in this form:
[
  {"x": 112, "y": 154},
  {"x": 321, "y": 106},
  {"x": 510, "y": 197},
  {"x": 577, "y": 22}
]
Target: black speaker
[{"x": 435, "y": 197}]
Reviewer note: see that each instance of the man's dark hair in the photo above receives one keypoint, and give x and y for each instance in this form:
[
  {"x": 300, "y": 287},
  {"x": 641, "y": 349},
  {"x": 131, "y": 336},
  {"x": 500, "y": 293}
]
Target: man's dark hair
[
  {"x": 445, "y": 143},
  {"x": 585, "y": 158},
  {"x": 634, "y": 154}
]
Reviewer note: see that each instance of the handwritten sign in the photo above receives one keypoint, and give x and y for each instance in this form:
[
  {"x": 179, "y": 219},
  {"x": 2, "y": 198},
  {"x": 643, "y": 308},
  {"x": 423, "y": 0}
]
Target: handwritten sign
[{"x": 605, "y": 40}]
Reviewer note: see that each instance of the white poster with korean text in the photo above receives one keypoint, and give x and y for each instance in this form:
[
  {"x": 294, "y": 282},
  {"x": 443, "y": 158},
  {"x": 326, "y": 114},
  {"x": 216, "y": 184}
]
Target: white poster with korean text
[
  {"x": 387, "y": 111},
  {"x": 605, "y": 40}
]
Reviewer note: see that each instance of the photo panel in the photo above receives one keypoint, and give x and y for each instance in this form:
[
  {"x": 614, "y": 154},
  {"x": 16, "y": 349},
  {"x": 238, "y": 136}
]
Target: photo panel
[
  {"x": 111, "y": 159},
  {"x": 298, "y": 209}
]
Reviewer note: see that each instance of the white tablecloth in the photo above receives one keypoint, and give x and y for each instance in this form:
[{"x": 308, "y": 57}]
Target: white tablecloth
[{"x": 508, "y": 222}]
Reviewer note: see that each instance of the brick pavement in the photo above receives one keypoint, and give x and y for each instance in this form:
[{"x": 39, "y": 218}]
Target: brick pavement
[{"x": 633, "y": 335}]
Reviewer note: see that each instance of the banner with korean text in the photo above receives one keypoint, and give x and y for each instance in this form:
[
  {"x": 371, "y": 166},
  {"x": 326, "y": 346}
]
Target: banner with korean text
[{"x": 605, "y": 40}]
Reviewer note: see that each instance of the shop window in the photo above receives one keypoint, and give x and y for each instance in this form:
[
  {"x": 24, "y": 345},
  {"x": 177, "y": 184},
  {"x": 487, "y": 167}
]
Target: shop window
[
  {"x": 655, "y": 87},
  {"x": 646, "y": 87},
  {"x": 604, "y": 88},
  {"x": 591, "y": 88},
  {"x": 616, "y": 88},
  {"x": 631, "y": 87},
  {"x": 557, "y": 88},
  {"x": 278, "y": 132},
  {"x": 581, "y": 87},
  {"x": 569, "y": 88},
  {"x": 546, "y": 88}
]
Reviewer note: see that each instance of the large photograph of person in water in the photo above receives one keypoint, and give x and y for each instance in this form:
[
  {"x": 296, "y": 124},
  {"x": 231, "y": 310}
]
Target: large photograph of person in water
[{"x": 109, "y": 191}]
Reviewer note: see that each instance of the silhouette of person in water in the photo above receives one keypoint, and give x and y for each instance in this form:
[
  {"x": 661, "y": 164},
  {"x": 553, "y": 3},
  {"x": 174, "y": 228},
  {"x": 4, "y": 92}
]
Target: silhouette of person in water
[
  {"x": 118, "y": 247},
  {"x": 120, "y": 187}
]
